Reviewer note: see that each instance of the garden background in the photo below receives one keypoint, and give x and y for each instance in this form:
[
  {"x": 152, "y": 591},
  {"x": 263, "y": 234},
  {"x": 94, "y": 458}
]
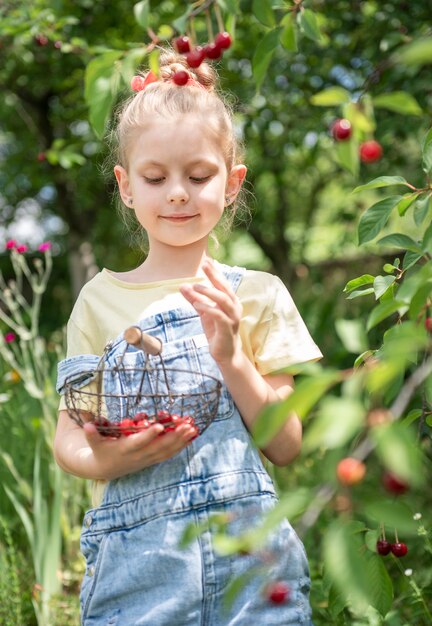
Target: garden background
[{"x": 357, "y": 262}]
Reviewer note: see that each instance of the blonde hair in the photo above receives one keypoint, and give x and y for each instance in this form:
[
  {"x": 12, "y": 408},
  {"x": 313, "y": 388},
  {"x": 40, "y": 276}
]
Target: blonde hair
[{"x": 165, "y": 99}]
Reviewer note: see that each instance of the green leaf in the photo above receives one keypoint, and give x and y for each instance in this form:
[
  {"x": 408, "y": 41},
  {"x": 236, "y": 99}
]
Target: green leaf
[
  {"x": 306, "y": 394},
  {"x": 427, "y": 152},
  {"x": 288, "y": 36},
  {"x": 384, "y": 310},
  {"x": 412, "y": 416},
  {"x": 352, "y": 335},
  {"x": 380, "y": 584},
  {"x": 348, "y": 155},
  {"x": 263, "y": 55},
  {"x": 410, "y": 259},
  {"x": 101, "y": 81},
  {"x": 418, "y": 52},
  {"x": 399, "y": 102},
  {"x": 398, "y": 450},
  {"x": 398, "y": 240},
  {"x": 130, "y": 63},
  {"x": 407, "y": 200},
  {"x": 360, "y": 293},
  {"x": 337, "y": 421},
  {"x": 382, "y": 284},
  {"x": 342, "y": 549},
  {"x": 332, "y": 96},
  {"x": 365, "y": 279},
  {"x": 141, "y": 12},
  {"x": 381, "y": 181},
  {"x": 421, "y": 208},
  {"x": 375, "y": 218},
  {"x": 308, "y": 23},
  {"x": 392, "y": 513},
  {"x": 427, "y": 241},
  {"x": 262, "y": 9}
]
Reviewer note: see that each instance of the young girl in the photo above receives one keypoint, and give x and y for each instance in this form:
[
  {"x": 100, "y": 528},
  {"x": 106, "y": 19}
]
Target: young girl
[{"x": 178, "y": 172}]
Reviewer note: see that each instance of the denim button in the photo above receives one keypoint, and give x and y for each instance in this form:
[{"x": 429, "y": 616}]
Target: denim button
[
  {"x": 91, "y": 570},
  {"x": 87, "y": 521}
]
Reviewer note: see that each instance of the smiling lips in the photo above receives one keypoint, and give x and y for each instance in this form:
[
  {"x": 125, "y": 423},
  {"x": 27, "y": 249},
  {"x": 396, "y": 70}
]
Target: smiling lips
[{"x": 178, "y": 219}]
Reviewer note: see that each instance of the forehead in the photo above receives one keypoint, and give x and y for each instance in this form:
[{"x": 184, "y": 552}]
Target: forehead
[{"x": 180, "y": 140}]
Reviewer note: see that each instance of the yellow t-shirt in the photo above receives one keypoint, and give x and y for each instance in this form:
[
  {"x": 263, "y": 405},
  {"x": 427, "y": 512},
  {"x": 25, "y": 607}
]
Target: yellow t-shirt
[{"x": 272, "y": 331}]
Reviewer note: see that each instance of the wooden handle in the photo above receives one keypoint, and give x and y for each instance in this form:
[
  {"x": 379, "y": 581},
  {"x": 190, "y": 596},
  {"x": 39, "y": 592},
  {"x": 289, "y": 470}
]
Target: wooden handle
[{"x": 135, "y": 337}]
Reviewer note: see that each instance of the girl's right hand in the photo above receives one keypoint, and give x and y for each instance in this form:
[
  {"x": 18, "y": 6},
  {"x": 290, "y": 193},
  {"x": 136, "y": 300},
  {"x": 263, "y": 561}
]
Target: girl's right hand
[
  {"x": 125, "y": 455},
  {"x": 84, "y": 452}
]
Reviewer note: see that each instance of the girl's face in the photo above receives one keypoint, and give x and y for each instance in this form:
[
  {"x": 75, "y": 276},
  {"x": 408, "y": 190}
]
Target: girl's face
[{"x": 177, "y": 180}]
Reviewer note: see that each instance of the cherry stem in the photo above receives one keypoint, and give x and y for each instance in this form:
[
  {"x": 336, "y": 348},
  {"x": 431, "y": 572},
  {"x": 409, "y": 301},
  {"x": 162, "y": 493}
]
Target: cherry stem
[
  {"x": 209, "y": 25},
  {"x": 382, "y": 531},
  {"x": 219, "y": 19},
  {"x": 396, "y": 536}
]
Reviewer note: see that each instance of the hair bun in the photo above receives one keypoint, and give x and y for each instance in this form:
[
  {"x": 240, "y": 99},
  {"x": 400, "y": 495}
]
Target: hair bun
[{"x": 171, "y": 62}]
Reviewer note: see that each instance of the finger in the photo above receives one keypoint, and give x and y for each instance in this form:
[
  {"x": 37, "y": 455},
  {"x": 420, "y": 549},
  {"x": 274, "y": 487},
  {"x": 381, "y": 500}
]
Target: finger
[
  {"x": 92, "y": 434},
  {"x": 213, "y": 296},
  {"x": 217, "y": 278}
]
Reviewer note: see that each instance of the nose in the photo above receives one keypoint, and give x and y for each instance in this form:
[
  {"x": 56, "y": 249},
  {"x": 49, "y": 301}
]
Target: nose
[{"x": 178, "y": 195}]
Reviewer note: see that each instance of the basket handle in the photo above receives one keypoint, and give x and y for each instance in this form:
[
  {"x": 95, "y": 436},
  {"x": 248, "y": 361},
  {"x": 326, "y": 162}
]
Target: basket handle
[{"x": 136, "y": 337}]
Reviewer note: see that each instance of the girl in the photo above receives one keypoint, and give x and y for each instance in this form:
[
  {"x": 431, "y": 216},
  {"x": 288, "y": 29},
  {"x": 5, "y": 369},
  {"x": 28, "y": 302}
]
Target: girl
[{"x": 178, "y": 171}]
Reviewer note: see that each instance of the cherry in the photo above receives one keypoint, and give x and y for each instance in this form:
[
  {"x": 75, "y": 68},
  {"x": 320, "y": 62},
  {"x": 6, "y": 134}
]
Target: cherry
[
  {"x": 399, "y": 549},
  {"x": 383, "y": 547},
  {"x": 350, "y": 471},
  {"x": 278, "y": 592},
  {"x": 213, "y": 51},
  {"x": 223, "y": 40},
  {"x": 41, "y": 156},
  {"x": 41, "y": 40},
  {"x": 195, "y": 57},
  {"x": 58, "y": 44},
  {"x": 182, "y": 44},
  {"x": 181, "y": 77},
  {"x": 341, "y": 129},
  {"x": 127, "y": 427},
  {"x": 428, "y": 324},
  {"x": 137, "y": 83},
  {"x": 393, "y": 484},
  {"x": 370, "y": 151}
]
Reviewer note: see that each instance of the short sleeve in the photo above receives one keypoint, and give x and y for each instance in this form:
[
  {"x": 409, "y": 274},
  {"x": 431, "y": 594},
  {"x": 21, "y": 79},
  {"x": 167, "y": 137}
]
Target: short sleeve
[{"x": 274, "y": 334}]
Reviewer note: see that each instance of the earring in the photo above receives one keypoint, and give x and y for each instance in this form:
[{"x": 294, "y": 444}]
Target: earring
[
  {"x": 130, "y": 201},
  {"x": 227, "y": 200}
]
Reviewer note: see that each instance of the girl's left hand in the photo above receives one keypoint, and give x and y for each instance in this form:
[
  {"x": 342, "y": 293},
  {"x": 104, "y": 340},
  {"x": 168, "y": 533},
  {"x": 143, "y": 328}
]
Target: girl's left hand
[{"x": 220, "y": 311}]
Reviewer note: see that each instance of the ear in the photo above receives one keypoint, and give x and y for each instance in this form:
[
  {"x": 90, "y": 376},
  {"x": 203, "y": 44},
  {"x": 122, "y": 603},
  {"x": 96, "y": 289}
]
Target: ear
[
  {"x": 235, "y": 180},
  {"x": 123, "y": 184}
]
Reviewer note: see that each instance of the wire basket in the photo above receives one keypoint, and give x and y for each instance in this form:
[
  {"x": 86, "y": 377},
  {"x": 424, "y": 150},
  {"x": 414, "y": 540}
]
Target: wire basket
[{"x": 121, "y": 399}]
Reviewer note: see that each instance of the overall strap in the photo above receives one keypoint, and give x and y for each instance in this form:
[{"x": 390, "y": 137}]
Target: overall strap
[{"x": 233, "y": 274}]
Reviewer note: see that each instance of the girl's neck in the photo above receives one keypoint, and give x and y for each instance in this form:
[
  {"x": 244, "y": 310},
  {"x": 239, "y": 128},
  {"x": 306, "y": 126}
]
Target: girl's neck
[{"x": 181, "y": 262}]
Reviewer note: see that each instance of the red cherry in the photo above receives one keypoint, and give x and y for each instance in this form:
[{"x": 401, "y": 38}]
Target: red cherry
[
  {"x": 58, "y": 44},
  {"x": 383, "y": 547},
  {"x": 195, "y": 57},
  {"x": 181, "y": 77},
  {"x": 140, "y": 416},
  {"x": 350, "y": 471},
  {"x": 41, "y": 156},
  {"x": 41, "y": 40},
  {"x": 127, "y": 427},
  {"x": 278, "y": 592},
  {"x": 370, "y": 151},
  {"x": 137, "y": 83},
  {"x": 182, "y": 44},
  {"x": 399, "y": 549},
  {"x": 163, "y": 417},
  {"x": 212, "y": 51},
  {"x": 393, "y": 484},
  {"x": 341, "y": 129},
  {"x": 223, "y": 40},
  {"x": 428, "y": 324}
]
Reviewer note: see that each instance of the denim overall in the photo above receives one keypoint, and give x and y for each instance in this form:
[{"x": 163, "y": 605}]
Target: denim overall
[{"x": 136, "y": 573}]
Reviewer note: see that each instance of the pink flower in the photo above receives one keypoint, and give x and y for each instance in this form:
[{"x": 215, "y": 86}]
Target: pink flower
[
  {"x": 46, "y": 245},
  {"x": 10, "y": 337},
  {"x": 21, "y": 248},
  {"x": 11, "y": 244}
]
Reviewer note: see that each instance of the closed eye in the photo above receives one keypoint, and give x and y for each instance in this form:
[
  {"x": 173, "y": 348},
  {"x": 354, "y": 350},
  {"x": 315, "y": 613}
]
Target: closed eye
[
  {"x": 199, "y": 179},
  {"x": 154, "y": 181}
]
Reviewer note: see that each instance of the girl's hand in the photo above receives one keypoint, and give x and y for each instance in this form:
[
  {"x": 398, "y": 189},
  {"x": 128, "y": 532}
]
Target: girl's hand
[
  {"x": 86, "y": 453},
  {"x": 220, "y": 311}
]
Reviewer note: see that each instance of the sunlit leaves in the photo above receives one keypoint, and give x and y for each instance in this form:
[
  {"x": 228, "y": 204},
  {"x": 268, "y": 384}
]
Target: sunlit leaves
[
  {"x": 263, "y": 55},
  {"x": 381, "y": 181},
  {"x": 398, "y": 102},
  {"x": 375, "y": 218},
  {"x": 101, "y": 83}
]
